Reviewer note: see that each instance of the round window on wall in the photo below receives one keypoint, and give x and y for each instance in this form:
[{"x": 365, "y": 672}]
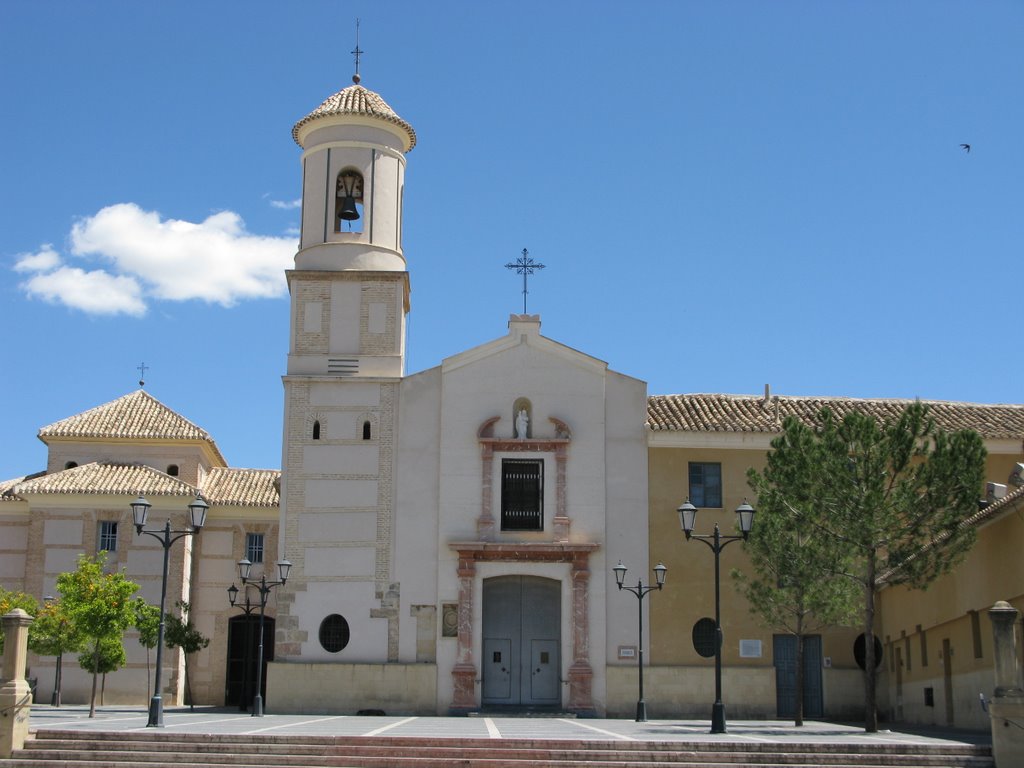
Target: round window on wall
[{"x": 334, "y": 633}]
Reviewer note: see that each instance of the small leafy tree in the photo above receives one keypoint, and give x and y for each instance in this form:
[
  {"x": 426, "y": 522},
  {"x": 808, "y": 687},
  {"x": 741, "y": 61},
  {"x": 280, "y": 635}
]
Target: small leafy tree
[
  {"x": 100, "y": 604},
  {"x": 107, "y": 655},
  {"x": 9, "y": 601},
  {"x": 55, "y": 634},
  {"x": 790, "y": 586},
  {"x": 180, "y": 632},
  {"x": 147, "y": 622},
  {"x": 890, "y": 496}
]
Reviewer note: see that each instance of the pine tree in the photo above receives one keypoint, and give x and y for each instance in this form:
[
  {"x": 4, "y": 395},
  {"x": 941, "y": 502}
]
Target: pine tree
[{"x": 886, "y": 498}]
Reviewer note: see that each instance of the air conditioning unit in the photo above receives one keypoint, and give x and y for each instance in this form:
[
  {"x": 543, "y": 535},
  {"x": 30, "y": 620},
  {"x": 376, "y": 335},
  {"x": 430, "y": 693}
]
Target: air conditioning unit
[
  {"x": 994, "y": 491},
  {"x": 1017, "y": 476}
]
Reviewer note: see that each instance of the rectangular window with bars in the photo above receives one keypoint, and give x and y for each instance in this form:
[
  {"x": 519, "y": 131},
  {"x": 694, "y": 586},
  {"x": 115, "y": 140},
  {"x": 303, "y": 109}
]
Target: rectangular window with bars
[
  {"x": 254, "y": 547},
  {"x": 522, "y": 495},
  {"x": 705, "y": 484},
  {"x": 107, "y": 536}
]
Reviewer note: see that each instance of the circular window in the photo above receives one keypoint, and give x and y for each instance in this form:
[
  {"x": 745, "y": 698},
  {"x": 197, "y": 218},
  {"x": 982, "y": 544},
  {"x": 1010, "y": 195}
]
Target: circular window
[{"x": 334, "y": 633}]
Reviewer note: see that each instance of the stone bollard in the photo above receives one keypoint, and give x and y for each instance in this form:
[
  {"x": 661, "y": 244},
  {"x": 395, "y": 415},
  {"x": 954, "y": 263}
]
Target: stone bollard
[
  {"x": 15, "y": 694},
  {"x": 1006, "y": 709}
]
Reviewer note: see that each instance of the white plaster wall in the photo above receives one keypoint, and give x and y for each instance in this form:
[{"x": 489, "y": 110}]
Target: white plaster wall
[
  {"x": 344, "y": 318},
  {"x": 328, "y": 393},
  {"x": 341, "y": 459},
  {"x": 416, "y": 503},
  {"x": 352, "y": 599},
  {"x": 626, "y": 522},
  {"x": 606, "y": 476}
]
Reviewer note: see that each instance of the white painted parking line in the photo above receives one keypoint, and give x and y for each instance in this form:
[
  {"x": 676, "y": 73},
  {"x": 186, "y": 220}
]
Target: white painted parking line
[
  {"x": 492, "y": 729},
  {"x": 598, "y": 730},
  {"x": 389, "y": 727},
  {"x": 297, "y": 724}
]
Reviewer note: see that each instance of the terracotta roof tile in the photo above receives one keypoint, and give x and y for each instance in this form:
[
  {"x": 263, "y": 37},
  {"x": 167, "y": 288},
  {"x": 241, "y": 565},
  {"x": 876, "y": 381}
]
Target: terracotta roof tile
[
  {"x": 225, "y": 486},
  {"x": 136, "y": 416},
  {"x": 7, "y": 487},
  {"x": 106, "y": 478},
  {"x": 753, "y": 413},
  {"x": 357, "y": 100}
]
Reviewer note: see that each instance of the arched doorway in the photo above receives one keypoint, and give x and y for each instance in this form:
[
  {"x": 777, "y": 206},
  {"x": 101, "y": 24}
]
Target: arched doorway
[
  {"x": 243, "y": 650},
  {"x": 521, "y": 642}
]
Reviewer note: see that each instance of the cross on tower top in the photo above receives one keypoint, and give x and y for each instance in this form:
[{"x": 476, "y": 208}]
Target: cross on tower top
[
  {"x": 142, "y": 374},
  {"x": 524, "y": 266},
  {"x": 357, "y": 53}
]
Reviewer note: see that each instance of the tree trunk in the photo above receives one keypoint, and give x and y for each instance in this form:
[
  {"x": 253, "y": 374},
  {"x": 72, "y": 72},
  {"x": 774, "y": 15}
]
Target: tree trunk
[
  {"x": 149, "y": 672},
  {"x": 95, "y": 674},
  {"x": 188, "y": 686},
  {"x": 103, "y": 688},
  {"x": 870, "y": 676}
]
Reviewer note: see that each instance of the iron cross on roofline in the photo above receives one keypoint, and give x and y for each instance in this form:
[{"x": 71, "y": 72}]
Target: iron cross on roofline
[{"x": 524, "y": 266}]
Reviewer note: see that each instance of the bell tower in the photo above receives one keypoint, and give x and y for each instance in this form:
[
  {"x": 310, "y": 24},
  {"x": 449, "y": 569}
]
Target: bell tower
[{"x": 349, "y": 299}]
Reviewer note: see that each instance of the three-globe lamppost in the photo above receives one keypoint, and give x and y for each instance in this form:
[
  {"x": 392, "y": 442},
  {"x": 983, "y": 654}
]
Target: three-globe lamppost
[
  {"x": 640, "y": 591},
  {"x": 717, "y": 542},
  {"x": 197, "y": 513},
  {"x": 264, "y": 587}
]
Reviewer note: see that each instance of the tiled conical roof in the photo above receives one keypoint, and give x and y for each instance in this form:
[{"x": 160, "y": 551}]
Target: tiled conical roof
[{"x": 357, "y": 100}]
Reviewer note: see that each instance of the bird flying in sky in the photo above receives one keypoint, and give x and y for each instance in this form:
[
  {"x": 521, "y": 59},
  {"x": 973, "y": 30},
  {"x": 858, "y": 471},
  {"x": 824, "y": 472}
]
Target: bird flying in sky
[{"x": 966, "y": 147}]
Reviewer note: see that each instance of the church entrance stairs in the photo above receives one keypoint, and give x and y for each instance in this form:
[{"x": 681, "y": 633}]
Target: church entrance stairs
[{"x": 164, "y": 749}]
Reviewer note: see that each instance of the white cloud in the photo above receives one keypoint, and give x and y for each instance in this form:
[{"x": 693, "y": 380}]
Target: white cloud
[
  {"x": 46, "y": 259},
  {"x": 146, "y": 257},
  {"x": 287, "y": 204},
  {"x": 96, "y": 292}
]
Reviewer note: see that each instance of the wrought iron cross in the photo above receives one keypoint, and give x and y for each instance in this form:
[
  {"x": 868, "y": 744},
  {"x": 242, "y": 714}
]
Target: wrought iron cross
[
  {"x": 524, "y": 266},
  {"x": 142, "y": 374},
  {"x": 357, "y": 53}
]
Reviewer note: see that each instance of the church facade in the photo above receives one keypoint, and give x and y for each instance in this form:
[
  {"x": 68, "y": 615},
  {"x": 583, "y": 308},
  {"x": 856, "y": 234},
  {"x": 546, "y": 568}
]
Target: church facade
[{"x": 451, "y": 532}]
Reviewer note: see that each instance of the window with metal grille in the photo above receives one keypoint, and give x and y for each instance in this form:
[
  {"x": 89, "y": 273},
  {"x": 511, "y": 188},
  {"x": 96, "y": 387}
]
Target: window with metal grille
[
  {"x": 107, "y": 540},
  {"x": 254, "y": 547},
  {"x": 705, "y": 484},
  {"x": 522, "y": 495}
]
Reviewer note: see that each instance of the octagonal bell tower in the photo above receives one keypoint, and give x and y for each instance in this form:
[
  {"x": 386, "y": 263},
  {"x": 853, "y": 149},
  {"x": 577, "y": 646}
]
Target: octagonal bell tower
[{"x": 349, "y": 299}]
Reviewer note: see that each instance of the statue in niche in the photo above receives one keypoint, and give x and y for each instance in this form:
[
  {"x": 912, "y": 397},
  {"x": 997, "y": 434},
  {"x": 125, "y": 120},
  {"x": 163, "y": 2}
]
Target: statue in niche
[{"x": 522, "y": 424}]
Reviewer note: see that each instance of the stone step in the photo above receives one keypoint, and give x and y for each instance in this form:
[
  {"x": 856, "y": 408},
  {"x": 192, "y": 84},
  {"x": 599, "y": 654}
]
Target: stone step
[
  {"x": 299, "y": 755},
  {"x": 162, "y": 749}
]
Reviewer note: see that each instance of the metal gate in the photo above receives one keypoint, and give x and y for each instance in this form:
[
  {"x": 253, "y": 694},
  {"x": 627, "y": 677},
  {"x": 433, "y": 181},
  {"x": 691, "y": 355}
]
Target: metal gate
[
  {"x": 521, "y": 640},
  {"x": 784, "y": 655}
]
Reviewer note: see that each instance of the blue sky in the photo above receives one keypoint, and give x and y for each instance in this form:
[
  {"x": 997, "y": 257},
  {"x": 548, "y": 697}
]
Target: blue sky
[{"x": 724, "y": 194}]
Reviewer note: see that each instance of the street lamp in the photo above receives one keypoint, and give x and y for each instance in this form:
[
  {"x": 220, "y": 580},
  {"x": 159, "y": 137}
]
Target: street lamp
[
  {"x": 50, "y": 602},
  {"x": 717, "y": 542},
  {"x": 641, "y": 591},
  {"x": 197, "y": 514},
  {"x": 247, "y": 608},
  {"x": 264, "y": 587}
]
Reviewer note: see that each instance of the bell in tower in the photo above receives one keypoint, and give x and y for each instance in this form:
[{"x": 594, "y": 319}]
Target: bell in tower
[{"x": 350, "y": 192}]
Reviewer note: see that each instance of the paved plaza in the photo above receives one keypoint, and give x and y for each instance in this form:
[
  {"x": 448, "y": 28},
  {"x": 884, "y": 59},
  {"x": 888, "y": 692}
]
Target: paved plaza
[{"x": 212, "y": 720}]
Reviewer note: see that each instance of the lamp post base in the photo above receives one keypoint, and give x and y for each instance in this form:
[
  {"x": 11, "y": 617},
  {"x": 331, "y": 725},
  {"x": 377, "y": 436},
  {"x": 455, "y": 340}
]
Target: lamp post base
[
  {"x": 156, "y": 713},
  {"x": 641, "y": 711},
  {"x": 257, "y": 706},
  {"x": 718, "y": 717}
]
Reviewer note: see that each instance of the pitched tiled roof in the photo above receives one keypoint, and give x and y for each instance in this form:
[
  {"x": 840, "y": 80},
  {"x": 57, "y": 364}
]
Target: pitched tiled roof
[
  {"x": 106, "y": 478},
  {"x": 225, "y": 486},
  {"x": 136, "y": 416},
  {"x": 753, "y": 413},
  {"x": 7, "y": 487},
  {"x": 356, "y": 100}
]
